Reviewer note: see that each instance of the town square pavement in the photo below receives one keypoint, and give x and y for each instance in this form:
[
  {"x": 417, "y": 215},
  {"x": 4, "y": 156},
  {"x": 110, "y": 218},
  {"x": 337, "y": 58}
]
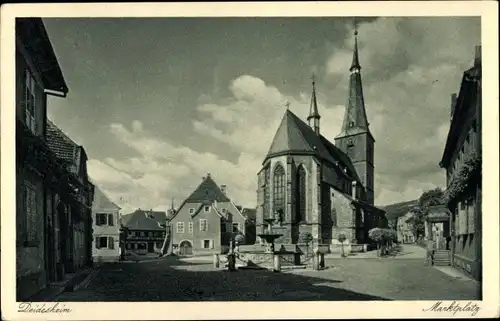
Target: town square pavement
[{"x": 175, "y": 279}]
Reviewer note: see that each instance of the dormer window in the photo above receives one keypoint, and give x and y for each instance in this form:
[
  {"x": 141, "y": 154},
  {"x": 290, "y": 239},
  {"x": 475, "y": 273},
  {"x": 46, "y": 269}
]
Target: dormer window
[
  {"x": 206, "y": 208},
  {"x": 191, "y": 210},
  {"x": 224, "y": 211}
]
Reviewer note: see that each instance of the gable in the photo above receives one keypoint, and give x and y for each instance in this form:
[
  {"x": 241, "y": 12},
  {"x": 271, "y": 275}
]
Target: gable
[
  {"x": 208, "y": 190},
  {"x": 101, "y": 201},
  {"x": 207, "y": 193}
]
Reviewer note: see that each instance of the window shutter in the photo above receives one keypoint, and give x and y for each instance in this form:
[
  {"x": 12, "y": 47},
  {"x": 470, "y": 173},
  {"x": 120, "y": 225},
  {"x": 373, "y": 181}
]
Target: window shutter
[
  {"x": 97, "y": 222},
  {"x": 110, "y": 219},
  {"x": 97, "y": 243},
  {"x": 202, "y": 242},
  {"x": 211, "y": 244},
  {"x": 111, "y": 244}
]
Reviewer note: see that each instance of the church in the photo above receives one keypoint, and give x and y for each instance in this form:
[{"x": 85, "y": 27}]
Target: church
[{"x": 310, "y": 185}]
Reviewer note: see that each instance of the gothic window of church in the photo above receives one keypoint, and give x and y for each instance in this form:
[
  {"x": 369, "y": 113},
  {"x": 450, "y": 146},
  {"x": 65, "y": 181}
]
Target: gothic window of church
[
  {"x": 267, "y": 198},
  {"x": 278, "y": 189},
  {"x": 301, "y": 195}
]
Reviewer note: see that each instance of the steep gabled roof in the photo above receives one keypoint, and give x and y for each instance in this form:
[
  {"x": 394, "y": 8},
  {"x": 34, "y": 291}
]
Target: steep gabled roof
[
  {"x": 32, "y": 33},
  {"x": 63, "y": 146},
  {"x": 295, "y": 136},
  {"x": 208, "y": 190},
  {"x": 101, "y": 201},
  {"x": 206, "y": 193},
  {"x": 144, "y": 220}
]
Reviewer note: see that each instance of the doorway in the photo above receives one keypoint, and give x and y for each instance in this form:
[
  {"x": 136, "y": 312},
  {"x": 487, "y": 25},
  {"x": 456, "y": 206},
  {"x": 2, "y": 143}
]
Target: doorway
[
  {"x": 185, "y": 248},
  {"x": 151, "y": 247}
]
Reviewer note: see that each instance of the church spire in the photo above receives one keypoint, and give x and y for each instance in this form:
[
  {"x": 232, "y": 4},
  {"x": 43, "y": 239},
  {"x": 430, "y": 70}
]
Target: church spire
[
  {"x": 355, "y": 57},
  {"x": 314, "y": 116},
  {"x": 355, "y": 119}
]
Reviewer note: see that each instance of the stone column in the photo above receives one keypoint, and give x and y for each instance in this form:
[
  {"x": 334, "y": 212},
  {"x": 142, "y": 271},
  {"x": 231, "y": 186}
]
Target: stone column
[
  {"x": 315, "y": 202},
  {"x": 277, "y": 263},
  {"x": 216, "y": 261},
  {"x": 289, "y": 199}
]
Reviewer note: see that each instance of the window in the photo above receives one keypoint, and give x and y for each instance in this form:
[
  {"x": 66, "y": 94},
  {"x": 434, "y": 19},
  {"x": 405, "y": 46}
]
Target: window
[
  {"x": 190, "y": 227},
  {"x": 30, "y": 101},
  {"x": 206, "y": 244},
  {"x": 462, "y": 206},
  {"x": 31, "y": 211},
  {"x": 143, "y": 234},
  {"x": 224, "y": 211},
  {"x": 301, "y": 195},
  {"x": 203, "y": 225},
  {"x": 100, "y": 219},
  {"x": 206, "y": 208},
  {"x": 191, "y": 210},
  {"x": 236, "y": 227},
  {"x": 101, "y": 242},
  {"x": 180, "y": 227},
  {"x": 267, "y": 198},
  {"x": 351, "y": 124},
  {"x": 278, "y": 189},
  {"x": 110, "y": 220}
]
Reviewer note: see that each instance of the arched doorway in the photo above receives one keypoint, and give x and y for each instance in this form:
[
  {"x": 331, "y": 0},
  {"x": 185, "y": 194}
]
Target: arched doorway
[{"x": 185, "y": 248}]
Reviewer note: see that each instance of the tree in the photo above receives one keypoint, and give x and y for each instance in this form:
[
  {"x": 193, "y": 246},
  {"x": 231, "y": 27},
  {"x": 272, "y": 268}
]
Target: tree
[
  {"x": 341, "y": 238},
  {"x": 377, "y": 235},
  {"x": 421, "y": 210}
]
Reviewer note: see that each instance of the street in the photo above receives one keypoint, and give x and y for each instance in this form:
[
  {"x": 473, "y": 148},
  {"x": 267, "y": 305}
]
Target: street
[{"x": 176, "y": 279}]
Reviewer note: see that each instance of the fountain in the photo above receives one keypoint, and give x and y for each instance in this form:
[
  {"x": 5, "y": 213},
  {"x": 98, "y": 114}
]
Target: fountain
[{"x": 269, "y": 237}]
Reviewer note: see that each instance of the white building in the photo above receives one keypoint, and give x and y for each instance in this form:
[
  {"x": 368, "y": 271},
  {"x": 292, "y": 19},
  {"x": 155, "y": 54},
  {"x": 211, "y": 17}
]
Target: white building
[
  {"x": 404, "y": 229},
  {"x": 106, "y": 226}
]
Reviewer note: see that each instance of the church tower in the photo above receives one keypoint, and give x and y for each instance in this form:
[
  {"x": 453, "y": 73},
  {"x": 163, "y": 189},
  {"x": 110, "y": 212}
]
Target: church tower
[{"x": 355, "y": 138}]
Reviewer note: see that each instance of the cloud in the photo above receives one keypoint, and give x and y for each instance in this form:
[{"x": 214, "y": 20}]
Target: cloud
[{"x": 410, "y": 66}]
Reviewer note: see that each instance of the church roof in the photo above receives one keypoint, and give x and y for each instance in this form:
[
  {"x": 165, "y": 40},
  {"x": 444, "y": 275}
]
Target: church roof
[
  {"x": 101, "y": 200},
  {"x": 295, "y": 136}
]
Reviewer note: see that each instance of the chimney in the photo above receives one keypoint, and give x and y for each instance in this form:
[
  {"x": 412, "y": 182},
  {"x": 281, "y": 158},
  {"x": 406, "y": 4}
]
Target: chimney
[
  {"x": 353, "y": 193},
  {"x": 208, "y": 175},
  {"x": 223, "y": 189},
  {"x": 453, "y": 103},
  {"x": 477, "y": 57}
]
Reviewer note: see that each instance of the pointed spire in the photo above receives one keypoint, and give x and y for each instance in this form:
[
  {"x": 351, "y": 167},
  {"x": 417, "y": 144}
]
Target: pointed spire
[
  {"x": 355, "y": 119},
  {"x": 355, "y": 56},
  {"x": 314, "y": 116}
]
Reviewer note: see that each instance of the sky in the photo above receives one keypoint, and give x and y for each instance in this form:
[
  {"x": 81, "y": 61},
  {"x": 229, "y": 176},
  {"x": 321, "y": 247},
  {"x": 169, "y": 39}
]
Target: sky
[{"x": 158, "y": 103}]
